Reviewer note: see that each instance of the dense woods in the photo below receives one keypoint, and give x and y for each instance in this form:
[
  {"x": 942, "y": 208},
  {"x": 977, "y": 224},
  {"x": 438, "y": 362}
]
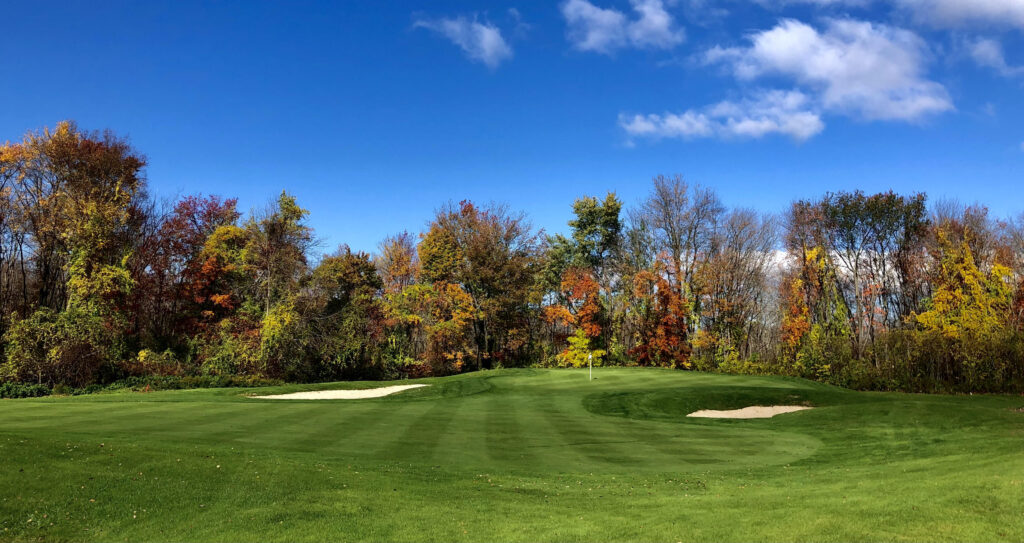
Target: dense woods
[{"x": 99, "y": 282}]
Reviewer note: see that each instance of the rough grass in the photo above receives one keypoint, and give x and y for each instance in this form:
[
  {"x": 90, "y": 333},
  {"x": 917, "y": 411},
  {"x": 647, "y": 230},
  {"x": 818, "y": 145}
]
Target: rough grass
[{"x": 515, "y": 455}]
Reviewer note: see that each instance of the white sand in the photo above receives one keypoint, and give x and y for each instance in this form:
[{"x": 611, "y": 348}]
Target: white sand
[
  {"x": 752, "y": 412},
  {"x": 357, "y": 394}
]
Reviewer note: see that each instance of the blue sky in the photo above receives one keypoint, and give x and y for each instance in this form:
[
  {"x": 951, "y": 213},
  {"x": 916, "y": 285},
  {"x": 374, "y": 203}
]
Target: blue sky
[{"x": 374, "y": 113}]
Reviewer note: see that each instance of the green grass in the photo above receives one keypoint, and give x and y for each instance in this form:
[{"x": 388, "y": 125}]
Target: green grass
[{"x": 515, "y": 455}]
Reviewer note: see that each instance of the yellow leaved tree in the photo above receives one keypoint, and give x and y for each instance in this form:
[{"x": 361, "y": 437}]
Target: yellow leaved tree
[{"x": 967, "y": 315}]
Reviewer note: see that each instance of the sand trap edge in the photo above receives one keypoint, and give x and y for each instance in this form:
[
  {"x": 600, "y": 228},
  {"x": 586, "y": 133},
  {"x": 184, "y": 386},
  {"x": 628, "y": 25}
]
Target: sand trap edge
[
  {"x": 752, "y": 412},
  {"x": 347, "y": 394}
]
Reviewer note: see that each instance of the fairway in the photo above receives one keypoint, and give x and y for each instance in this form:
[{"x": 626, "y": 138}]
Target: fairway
[{"x": 515, "y": 455}]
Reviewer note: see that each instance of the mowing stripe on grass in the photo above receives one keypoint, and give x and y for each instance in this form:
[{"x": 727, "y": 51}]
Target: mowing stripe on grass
[
  {"x": 417, "y": 439},
  {"x": 505, "y": 439},
  {"x": 443, "y": 466},
  {"x": 589, "y": 442}
]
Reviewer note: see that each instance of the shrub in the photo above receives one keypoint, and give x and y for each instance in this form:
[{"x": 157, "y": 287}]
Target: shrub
[
  {"x": 149, "y": 362},
  {"x": 579, "y": 354},
  {"x": 56, "y": 348},
  {"x": 175, "y": 382},
  {"x": 731, "y": 363},
  {"x": 21, "y": 390},
  {"x": 415, "y": 370},
  {"x": 823, "y": 355},
  {"x": 232, "y": 350},
  {"x": 924, "y": 361}
]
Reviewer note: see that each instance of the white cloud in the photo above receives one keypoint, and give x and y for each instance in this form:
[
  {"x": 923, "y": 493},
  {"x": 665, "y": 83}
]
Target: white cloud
[
  {"x": 605, "y": 30},
  {"x": 481, "y": 42},
  {"x": 655, "y": 28},
  {"x": 955, "y": 13},
  {"x": 844, "y": 3},
  {"x": 988, "y": 52},
  {"x": 868, "y": 71},
  {"x": 592, "y": 28},
  {"x": 689, "y": 124},
  {"x": 938, "y": 13},
  {"x": 769, "y": 112},
  {"x": 872, "y": 71}
]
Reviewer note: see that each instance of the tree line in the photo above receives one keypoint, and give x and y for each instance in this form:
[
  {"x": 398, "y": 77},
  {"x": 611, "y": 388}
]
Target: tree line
[{"x": 100, "y": 282}]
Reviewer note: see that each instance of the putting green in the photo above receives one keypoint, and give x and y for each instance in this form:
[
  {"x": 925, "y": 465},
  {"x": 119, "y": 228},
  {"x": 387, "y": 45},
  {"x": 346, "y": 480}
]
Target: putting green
[{"x": 515, "y": 455}]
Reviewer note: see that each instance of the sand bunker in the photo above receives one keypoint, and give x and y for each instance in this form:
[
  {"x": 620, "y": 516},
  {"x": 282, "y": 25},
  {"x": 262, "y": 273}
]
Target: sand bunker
[
  {"x": 341, "y": 394},
  {"x": 752, "y": 412}
]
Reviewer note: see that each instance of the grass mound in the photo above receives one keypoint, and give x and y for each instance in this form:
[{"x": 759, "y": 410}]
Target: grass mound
[{"x": 673, "y": 404}]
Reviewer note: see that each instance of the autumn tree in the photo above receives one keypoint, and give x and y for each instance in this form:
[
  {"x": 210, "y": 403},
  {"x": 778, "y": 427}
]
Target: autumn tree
[
  {"x": 1012, "y": 248},
  {"x": 75, "y": 190},
  {"x": 796, "y": 316},
  {"x": 443, "y": 313},
  {"x": 343, "y": 316},
  {"x": 898, "y": 230},
  {"x": 397, "y": 261},
  {"x": 441, "y": 257},
  {"x": 277, "y": 245},
  {"x": 581, "y": 313},
  {"x": 14, "y": 275},
  {"x": 968, "y": 312},
  {"x": 733, "y": 280},
  {"x": 75, "y": 193},
  {"x": 683, "y": 220},
  {"x": 815, "y": 324},
  {"x": 846, "y": 229},
  {"x": 638, "y": 251},
  {"x": 966, "y": 301},
  {"x": 876, "y": 245},
  {"x": 250, "y": 280},
  {"x": 174, "y": 280},
  {"x": 592, "y": 251},
  {"x": 593, "y": 243},
  {"x": 223, "y": 279},
  {"x": 491, "y": 254},
  {"x": 964, "y": 223},
  {"x": 663, "y": 318}
]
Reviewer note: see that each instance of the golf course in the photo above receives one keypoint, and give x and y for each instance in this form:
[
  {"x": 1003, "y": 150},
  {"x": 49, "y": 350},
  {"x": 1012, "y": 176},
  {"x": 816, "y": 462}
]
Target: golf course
[{"x": 515, "y": 455}]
